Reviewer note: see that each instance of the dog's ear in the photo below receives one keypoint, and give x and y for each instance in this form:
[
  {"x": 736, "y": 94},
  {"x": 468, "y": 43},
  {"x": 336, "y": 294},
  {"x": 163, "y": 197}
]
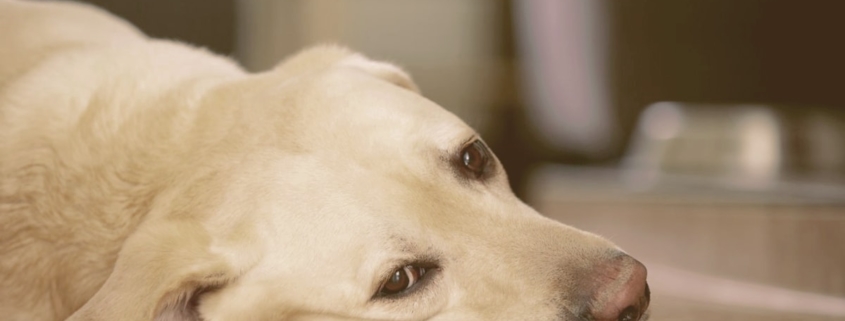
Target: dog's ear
[
  {"x": 160, "y": 275},
  {"x": 322, "y": 57}
]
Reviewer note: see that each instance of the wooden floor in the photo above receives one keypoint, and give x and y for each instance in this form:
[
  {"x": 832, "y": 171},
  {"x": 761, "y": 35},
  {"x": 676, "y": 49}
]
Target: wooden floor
[{"x": 715, "y": 254}]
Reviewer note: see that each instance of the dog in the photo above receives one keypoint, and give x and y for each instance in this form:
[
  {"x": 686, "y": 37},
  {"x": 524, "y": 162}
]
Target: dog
[{"x": 145, "y": 179}]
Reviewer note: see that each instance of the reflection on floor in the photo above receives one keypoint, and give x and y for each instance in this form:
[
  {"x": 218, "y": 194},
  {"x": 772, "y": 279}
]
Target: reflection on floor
[{"x": 715, "y": 253}]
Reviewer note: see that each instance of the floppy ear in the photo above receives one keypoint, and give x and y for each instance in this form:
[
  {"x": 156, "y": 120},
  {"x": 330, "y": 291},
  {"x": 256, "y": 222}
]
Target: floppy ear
[
  {"x": 323, "y": 57},
  {"x": 159, "y": 275}
]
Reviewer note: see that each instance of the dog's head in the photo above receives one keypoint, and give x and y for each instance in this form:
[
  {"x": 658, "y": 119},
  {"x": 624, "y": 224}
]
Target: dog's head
[{"x": 329, "y": 189}]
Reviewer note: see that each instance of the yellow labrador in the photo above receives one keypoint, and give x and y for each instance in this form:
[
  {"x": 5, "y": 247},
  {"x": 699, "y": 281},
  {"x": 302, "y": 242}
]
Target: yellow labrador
[{"x": 144, "y": 179}]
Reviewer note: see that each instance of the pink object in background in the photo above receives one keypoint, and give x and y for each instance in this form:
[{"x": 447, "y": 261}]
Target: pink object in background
[{"x": 563, "y": 44}]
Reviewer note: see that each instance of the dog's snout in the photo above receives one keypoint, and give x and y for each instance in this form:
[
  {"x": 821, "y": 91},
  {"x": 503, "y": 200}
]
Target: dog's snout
[{"x": 620, "y": 290}]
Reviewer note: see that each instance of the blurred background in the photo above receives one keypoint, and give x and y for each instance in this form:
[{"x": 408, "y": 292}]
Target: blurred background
[{"x": 707, "y": 137}]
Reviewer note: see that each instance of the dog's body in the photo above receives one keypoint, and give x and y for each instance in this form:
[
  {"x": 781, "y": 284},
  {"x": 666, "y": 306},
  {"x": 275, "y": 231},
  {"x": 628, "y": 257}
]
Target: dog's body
[{"x": 144, "y": 179}]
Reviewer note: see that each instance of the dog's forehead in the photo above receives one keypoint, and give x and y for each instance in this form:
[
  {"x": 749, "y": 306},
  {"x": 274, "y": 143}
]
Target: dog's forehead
[{"x": 368, "y": 108}]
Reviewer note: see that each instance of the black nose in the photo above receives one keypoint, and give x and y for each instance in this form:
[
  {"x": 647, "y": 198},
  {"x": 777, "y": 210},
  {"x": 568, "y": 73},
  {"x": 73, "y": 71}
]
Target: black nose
[{"x": 621, "y": 292}]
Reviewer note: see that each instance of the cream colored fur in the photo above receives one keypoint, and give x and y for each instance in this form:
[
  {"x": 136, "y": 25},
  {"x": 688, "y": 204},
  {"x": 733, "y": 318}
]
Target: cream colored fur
[{"x": 145, "y": 179}]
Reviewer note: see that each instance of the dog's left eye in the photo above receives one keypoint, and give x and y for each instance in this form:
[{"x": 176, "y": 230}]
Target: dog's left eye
[
  {"x": 401, "y": 280},
  {"x": 474, "y": 158}
]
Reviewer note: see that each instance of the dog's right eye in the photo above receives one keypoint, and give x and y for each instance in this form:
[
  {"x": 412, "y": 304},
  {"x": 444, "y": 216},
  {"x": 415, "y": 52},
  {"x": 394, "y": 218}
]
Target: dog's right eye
[{"x": 401, "y": 280}]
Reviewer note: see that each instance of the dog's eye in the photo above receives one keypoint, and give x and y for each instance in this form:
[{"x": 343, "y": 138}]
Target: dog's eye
[
  {"x": 401, "y": 280},
  {"x": 474, "y": 158}
]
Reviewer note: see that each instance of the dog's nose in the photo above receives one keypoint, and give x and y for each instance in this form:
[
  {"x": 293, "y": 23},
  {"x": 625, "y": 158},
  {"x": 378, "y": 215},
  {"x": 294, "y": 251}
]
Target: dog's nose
[{"x": 621, "y": 292}]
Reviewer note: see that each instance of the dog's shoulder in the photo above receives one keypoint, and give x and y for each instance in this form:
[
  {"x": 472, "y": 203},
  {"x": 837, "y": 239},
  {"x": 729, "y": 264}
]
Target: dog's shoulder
[{"x": 84, "y": 98}]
